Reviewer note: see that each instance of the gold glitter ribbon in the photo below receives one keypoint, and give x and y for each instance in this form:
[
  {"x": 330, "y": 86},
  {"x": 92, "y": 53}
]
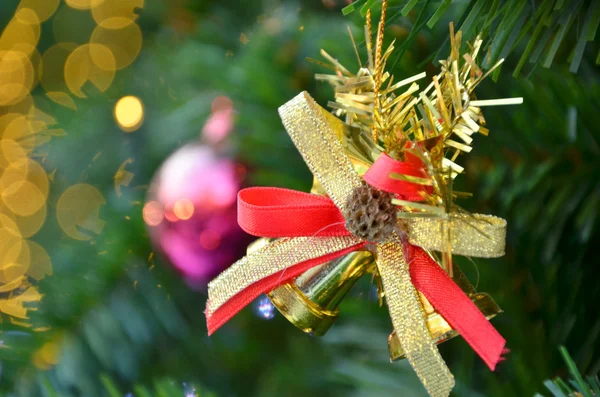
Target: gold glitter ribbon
[
  {"x": 315, "y": 133},
  {"x": 476, "y": 235},
  {"x": 407, "y": 314},
  {"x": 274, "y": 257}
]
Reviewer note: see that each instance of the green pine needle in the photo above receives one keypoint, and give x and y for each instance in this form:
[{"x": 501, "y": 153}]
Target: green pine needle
[
  {"x": 566, "y": 20},
  {"x": 547, "y": 26},
  {"x": 110, "y": 386},
  {"x": 48, "y": 388},
  {"x": 367, "y": 7},
  {"x": 594, "y": 381},
  {"x": 554, "y": 389},
  {"x": 408, "y": 7},
  {"x": 438, "y": 13},
  {"x": 141, "y": 391},
  {"x": 584, "y": 388},
  {"x": 559, "y": 388},
  {"x": 595, "y": 20},
  {"x": 350, "y": 8}
]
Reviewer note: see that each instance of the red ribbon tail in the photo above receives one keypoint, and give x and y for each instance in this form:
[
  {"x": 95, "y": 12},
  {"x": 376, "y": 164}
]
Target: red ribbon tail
[
  {"x": 243, "y": 298},
  {"x": 456, "y": 307}
]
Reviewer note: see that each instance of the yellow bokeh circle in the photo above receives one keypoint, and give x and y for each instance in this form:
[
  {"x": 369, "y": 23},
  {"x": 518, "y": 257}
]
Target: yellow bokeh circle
[
  {"x": 40, "y": 264},
  {"x": 28, "y": 225},
  {"x": 109, "y": 9},
  {"x": 16, "y": 76},
  {"x": 23, "y": 198},
  {"x": 14, "y": 254},
  {"x": 124, "y": 42},
  {"x": 22, "y": 171},
  {"x": 84, "y": 4},
  {"x": 24, "y": 28},
  {"x": 79, "y": 68},
  {"x": 129, "y": 113},
  {"x": 44, "y": 9},
  {"x": 78, "y": 211}
]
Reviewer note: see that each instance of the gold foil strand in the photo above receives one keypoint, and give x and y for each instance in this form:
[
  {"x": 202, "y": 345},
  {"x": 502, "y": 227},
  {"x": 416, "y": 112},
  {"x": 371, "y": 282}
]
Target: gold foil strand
[
  {"x": 274, "y": 257},
  {"x": 354, "y": 46},
  {"x": 378, "y": 69},
  {"x": 315, "y": 133},
  {"x": 368, "y": 38},
  {"x": 407, "y": 314}
]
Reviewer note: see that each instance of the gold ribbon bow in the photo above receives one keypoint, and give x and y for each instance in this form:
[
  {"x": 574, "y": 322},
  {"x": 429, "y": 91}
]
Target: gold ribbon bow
[{"x": 317, "y": 134}]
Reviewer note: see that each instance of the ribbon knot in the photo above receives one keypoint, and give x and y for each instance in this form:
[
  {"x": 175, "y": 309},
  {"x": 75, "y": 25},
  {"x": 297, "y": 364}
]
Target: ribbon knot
[{"x": 370, "y": 214}]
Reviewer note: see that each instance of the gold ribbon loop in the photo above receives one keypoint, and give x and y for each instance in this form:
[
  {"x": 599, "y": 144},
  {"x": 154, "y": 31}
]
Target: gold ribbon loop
[
  {"x": 406, "y": 313},
  {"x": 315, "y": 133},
  {"x": 475, "y": 235}
]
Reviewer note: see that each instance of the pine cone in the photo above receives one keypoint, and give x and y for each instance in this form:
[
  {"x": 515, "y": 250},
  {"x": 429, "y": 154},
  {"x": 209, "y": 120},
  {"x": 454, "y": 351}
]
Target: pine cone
[{"x": 370, "y": 214}]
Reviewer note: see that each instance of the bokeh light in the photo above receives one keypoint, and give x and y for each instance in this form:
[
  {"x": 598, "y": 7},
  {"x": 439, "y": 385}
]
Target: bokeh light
[
  {"x": 110, "y": 9},
  {"x": 153, "y": 213},
  {"x": 24, "y": 183},
  {"x": 129, "y": 113},
  {"x": 44, "y": 9},
  {"x": 124, "y": 42},
  {"x": 92, "y": 40},
  {"x": 80, "y": 68},
  {"x": 263, "y": 308},
  {"x": 78, "y": 211},
  {"x": 183, "y": 209},
  {"x": 47, "y": 355},
  {"x": 41, "y": 265},
  {"x": 16, "y": 76},
  {"x": 83, "y": 4}
]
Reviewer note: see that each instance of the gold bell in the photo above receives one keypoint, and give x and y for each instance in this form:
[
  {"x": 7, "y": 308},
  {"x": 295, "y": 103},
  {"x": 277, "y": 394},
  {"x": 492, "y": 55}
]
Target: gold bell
[
  {"x": 311, "y": 301},
  {"x": 439, "y": 329}
]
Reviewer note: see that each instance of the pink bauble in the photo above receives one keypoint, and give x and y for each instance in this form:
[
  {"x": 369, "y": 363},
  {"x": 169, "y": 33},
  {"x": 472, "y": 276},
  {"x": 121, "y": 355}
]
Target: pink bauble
[{"x": 191, "y": 212}]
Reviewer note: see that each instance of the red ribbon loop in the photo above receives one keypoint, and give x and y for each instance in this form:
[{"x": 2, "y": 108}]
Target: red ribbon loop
[
  {"x": 379, "y": 176},
  {"x": 277, "y": 212}
]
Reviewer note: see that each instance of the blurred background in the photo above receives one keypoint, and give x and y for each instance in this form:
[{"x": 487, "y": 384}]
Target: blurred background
[{"x": 128, "y": 126}]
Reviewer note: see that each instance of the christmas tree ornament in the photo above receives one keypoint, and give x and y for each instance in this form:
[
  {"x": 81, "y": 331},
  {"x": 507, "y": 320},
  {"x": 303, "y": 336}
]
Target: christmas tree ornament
[
  {"x": 191, "y": 208},
  {"x": 383, "y": 202}
]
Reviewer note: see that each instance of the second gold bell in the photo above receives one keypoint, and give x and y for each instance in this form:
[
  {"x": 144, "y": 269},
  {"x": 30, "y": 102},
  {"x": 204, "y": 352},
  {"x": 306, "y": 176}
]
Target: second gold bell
[{"x": 312, "y": 301}]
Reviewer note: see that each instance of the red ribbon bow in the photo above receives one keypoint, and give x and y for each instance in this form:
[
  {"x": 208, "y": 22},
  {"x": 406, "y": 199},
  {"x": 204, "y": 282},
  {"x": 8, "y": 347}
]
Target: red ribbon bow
[{"x": 277, "y": 212}]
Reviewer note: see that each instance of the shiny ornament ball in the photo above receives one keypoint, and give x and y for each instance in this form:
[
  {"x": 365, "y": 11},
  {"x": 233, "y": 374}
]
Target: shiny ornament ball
[{"x": 191, "y": 212}]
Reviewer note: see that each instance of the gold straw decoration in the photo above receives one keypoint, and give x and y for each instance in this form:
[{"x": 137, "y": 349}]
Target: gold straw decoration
[
  {"x": 378, "y": 70},
  {"x": 436, "y": 123},
  {"x": 368, "y": 38}
]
